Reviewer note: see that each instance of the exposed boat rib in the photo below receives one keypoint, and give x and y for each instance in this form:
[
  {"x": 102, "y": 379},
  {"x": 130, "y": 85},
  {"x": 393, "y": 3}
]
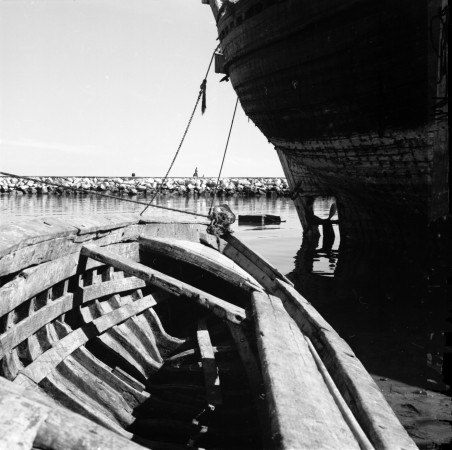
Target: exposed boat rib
[
  {"x": 44, "y": 364},
  {"x": 219, "y": 307},
  {"x": 209, "y": 366}
]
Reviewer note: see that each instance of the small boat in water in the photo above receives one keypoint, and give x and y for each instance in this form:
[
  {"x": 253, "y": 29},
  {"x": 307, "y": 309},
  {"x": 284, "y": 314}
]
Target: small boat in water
[{"x": 127, "y": 333}]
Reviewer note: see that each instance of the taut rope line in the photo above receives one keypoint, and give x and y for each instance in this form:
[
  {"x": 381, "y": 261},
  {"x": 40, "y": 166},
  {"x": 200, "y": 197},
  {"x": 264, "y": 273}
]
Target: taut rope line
[
  {"x": 224, "y": 156},
  {"x": 202, "y": 93},
  {"x": 86, "y": 191}
]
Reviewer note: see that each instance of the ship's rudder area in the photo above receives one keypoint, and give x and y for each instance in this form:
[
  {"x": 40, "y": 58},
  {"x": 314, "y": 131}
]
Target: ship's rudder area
[{"x": 376, "y": 200}]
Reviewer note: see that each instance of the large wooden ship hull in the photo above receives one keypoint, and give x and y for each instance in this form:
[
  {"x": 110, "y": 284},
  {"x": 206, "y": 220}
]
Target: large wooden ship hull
[
  {"x": 124, "y": 333},
  {"x": 353, "y": 95}
]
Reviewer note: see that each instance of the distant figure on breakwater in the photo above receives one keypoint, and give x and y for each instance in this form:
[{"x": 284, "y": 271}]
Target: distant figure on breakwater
[{"x": 195, "y": 175}]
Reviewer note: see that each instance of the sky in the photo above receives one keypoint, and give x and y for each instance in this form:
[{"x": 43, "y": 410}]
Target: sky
[{"x": 106, "y": 87}]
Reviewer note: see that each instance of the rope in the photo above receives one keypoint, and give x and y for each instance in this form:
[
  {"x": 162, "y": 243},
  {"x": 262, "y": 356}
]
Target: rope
[
  {"x": 86, "y": 191},
  {"x": 224, "y": 156},
  {"x": 202, "y": 93}
]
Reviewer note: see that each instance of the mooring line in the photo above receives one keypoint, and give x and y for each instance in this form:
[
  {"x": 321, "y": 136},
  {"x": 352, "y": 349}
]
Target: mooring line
[
  {"x": 224, "y": 156},
  {"x": 202, "y": 93}
]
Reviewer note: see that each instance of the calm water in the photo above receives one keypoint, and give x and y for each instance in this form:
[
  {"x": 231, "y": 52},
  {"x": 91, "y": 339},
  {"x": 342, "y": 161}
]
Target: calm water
[
  {"x": 277, "y": 243},
  {"x": 389, "y": 303}
]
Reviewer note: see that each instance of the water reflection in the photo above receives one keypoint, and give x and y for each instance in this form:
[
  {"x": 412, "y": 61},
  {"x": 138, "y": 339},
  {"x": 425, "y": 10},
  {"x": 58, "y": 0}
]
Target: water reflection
[{"x": 390, "y": 303}]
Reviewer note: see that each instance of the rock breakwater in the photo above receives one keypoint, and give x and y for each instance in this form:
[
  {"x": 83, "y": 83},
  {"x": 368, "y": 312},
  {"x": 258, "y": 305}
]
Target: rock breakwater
[{"x": 137, "y": 186}]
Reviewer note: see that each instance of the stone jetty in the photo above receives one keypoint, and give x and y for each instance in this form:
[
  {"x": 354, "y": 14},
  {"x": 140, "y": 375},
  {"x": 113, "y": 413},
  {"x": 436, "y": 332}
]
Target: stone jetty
[{"x": 140, "y": 186}]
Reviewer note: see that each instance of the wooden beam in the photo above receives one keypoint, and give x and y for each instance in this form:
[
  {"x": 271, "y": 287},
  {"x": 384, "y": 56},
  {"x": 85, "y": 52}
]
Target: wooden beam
[
  {"x": 203, "y": 257},
  {"x": 355, "y": 384},
  {"x": 219, "y": 307},
  {"x": 45, "y": 363},
  {"x": 28, "y": 326},
  {"x": 39, "y": 278},
  {"x": 353, "y": 424},
  {"x": 30, "y": 420},
  {"x": 302, "y": 410},
  {"x": 254, "y": 257},
  {"x": 254, "y": 376},
  {"x": 209, "y": 366}
]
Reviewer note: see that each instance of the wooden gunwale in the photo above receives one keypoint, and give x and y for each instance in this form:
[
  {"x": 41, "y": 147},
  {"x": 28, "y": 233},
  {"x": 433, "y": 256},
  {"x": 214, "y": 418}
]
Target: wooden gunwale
[{"x": 366, "y": 401}]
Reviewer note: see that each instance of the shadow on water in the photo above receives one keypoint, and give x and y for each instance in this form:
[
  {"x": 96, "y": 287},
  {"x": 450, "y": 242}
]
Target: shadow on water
[{"x": 391, "y": 304}]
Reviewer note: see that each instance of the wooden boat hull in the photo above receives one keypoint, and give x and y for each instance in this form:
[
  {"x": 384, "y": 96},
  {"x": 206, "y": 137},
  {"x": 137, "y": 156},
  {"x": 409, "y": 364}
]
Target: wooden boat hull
[
  {"x": 162, "y": 337},
  {"x": 353, "y": 95}
]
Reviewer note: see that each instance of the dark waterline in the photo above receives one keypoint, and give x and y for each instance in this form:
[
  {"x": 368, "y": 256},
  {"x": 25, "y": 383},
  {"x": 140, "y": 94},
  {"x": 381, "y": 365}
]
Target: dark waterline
[{"x": 389, "y": 303}]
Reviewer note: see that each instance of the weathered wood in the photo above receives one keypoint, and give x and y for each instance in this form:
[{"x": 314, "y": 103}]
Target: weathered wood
[
  {"x": 254, "y": 257},
  {"x": 251, "y": 267},
  {"x": 68, "y": 394},
  {"x": 353, "y": 424},
  {"x": 254, "y": 375},
  {"x": 102, "y": 397},
  {"x": 121, "y": 333},
  {"x": 133, "y": 396},
  {"x": 362, "y": 395},
  {"x": 166, "y": 344},
  {"x": 128, "y": 379},
  {"x": 45, "y": 363},
  {"x": 110, "y": 287},
  {"x": 300, "y": 406},
  {"x": 209, "y": 366},
  {"x": 219, "y": 307},
  {"x": 28, "y": 326},
  {"x": 203, "y": 257},
  {"x": 139, "y": 328},
  {"x": 37, "y": 279},
  {"x": 28, "y": 419},
  {"x": 20, "y": 421}
]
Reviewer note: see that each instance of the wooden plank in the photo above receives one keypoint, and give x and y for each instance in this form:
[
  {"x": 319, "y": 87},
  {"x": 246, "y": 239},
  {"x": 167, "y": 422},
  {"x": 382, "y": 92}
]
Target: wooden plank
[
  {"x": 20, "y": 421},
  {"x": 219, "y": 307},
  {"x": 103, "y": 372},
  {"x": 51, "y": 426},
  {"x": 209, "y": 366},
  {"x": 138, "y": 327},
  {"x": 129, "y": 342},
  {"x": 38, "y": 240},
  {"x": 166, "y": 344},
  {"x": 70, "y": 396},
  {"x": 110, "y": 287},
  {"x": 203, "y": 257},
  {"x": 353, "y": 424},
  {"x": 302, "y": 410},
  {"x": 100, "y": 395},
  {"x": 28, "y": 326},
  {"x": 357, "y": 387},
  {"x": 45, "y": 363},
  {"x": 251, "y": 267},
  {"x": 37, "y": 279},
  {"x": 254, "y": 375},
  {"x": 254, "y": 257},
  {"x": 120, "y": 347}
]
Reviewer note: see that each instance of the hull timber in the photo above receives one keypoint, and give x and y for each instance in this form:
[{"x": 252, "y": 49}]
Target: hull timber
[
  {"x": 353, "y": 95},
  {"x": 128, "y": 333}
]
